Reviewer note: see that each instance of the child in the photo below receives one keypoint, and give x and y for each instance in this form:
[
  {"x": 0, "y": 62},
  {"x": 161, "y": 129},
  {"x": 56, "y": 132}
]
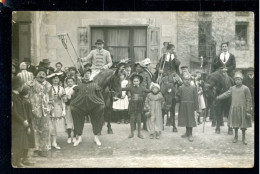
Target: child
[
  {"x": 121, "y": 105},
  {"x": 188, "y": 98},
  {"x": 68, "y": 117},
  {"x": 136, "y": 103},
  {"x": 153, "y": 105},
  {"x": 202, "y": 105},
  {"x": 240, "y": 110},
  {"x": 58, "y": 111}
]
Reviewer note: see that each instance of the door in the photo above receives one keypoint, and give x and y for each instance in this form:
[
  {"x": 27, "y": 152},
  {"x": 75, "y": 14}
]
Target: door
[
  {"x": 154, "y": 44},
  {"x": 24, "y": 41}
]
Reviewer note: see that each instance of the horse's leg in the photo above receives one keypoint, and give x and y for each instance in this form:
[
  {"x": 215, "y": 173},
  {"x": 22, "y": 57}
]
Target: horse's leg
[
  {"x": 218, "y": 115},
  {"x": 108, "y": 114},
  {"x": 226, "y": 114}
]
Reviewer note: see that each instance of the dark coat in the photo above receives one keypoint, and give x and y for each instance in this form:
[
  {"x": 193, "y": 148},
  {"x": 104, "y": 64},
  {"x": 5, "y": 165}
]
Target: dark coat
[
  {"x": 171, "y": 65},
  {"x": 231, "y": 64},
  {"x": 31, "y": 69},
  {"x": 250, "y": 83},
  {"x": 19, "y": 132}
]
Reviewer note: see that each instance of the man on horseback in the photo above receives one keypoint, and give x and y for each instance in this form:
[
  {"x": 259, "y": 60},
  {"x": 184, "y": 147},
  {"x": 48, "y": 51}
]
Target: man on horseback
[
  {"x": 99, "y": 58},
  {"x": 87, "y": 100},
  {"x": 225, "y": 59}
]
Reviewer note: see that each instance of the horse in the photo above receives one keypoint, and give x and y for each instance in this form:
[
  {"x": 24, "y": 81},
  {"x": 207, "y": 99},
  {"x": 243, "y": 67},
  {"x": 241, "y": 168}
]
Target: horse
[
  {"x": 217, "y": 83},
  {"x": 110, "y": 83}
]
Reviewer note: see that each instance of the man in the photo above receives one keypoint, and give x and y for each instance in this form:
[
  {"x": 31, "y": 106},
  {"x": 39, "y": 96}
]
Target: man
[
  {"x": 184, "y": 69},
  {"x": 87, "y": 100},
  {"x": 249, "y": 81},
  {"x": 168, "y": 62},
  {"x": 58, "y": 66},
  {"x": 225, "y": 59},
  {"x": 45, "y": 63},
  {"x": 24, "y": 74},
  {"x": 99, "y": 58},
  {"x": 30, "y": 68}
]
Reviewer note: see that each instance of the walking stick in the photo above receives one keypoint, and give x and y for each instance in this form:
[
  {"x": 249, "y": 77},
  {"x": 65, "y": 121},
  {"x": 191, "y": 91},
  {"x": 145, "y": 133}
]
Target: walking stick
[
  {"x": 64, "y": 43},
  {"x": 204, "y": 120},
  {"x": 159, "y": 79}
]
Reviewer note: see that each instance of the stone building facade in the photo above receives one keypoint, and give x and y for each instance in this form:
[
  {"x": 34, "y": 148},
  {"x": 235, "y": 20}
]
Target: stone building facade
[{"x": 134, "y": 34}]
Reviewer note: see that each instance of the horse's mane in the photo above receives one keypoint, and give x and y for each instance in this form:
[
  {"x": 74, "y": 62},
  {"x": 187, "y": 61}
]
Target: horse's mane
[
  {"x": 219, "y": 80},
  {"x": 103, "y": 78}
]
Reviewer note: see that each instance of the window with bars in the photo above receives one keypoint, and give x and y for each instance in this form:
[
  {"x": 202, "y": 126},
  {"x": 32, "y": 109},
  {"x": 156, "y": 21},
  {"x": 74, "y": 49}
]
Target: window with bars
[{"x": 122, "y": 42}]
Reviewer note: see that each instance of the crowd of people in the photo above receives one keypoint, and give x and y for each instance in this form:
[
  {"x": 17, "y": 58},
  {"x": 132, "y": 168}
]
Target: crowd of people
[{"x": 48, "y": 101}]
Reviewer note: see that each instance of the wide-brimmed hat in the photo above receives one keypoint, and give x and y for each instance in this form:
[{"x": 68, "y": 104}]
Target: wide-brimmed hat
[
  {"x": 136, "y": 75},
  {"x": 141, "y": 64},
  {"x": 238, "y": 75},
  {"x": 146, "y": 61},
  {"x": 154, "y": 85},
  {"x": 73, "y": 68},
  {"x": 40, "y": 69},
  {"x": 99, "y": 41},
  {"x": 51, "y": 76}
]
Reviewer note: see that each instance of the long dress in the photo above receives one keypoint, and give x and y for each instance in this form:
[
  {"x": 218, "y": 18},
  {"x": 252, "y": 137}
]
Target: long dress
[
  {"x": 154, "y": 104},
  {"x": 122, "y": 104},
  {"x": 241, "y": 104},
  {"x": 57, "y": 120},
  {"x": 188, "y": 97},
  {"x": 68, "y": 117},
  {"x": 39, "y": 99}
]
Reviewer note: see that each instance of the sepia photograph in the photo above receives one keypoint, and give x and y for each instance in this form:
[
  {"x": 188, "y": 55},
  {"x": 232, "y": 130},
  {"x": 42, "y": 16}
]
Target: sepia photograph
[{"x": 147, "y": 89}]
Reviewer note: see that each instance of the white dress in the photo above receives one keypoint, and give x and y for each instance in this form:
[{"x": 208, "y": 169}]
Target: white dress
[
  {"x": 122, "y": 104},
  {"x": 68, "y": 116}
]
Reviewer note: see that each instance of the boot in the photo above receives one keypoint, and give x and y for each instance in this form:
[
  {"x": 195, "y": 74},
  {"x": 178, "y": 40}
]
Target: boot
[
  {"x": 213, "y": 124},
  {"x": 198, "y": 120},
  {"x": 190, "y": 134},
  {"x": 186, "y": 133},
  {"x": 96, "y": 139},
  {"x": 217, "y": 131},
  {"x": 157, "y": 135},
  {"x": 174, "y": 129},
  {"x": 132, "y": 127},
  {"x": 236, "y": 136},
  {"x": 151, "y": 136},
  {"x": 230, "y": 131},
  {"x": 139, "y": 130},
  {"x": 244, "y": 137}
]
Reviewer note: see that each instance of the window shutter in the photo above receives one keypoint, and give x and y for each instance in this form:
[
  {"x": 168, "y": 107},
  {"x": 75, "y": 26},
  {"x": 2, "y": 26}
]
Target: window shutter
[{"x": 153, "y": 46}]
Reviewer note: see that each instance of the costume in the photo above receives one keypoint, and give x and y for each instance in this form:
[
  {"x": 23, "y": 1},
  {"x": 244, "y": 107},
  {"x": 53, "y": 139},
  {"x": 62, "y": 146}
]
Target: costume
[
  {"x": 25, "y": 76},
  {"x": 188, "y": 98},
  {"x": 68, "y": 117},
  {"x": 171, "y": 63},
  {"x": 241, "y": 104},
  {"x": 87, "y": 100},
  {"x": 227, "y": 60}
]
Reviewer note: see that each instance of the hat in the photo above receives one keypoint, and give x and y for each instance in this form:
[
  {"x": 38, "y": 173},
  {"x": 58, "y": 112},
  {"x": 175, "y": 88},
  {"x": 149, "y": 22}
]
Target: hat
[
  {"x": 154, "y": 85},
  {"x": 136, "y": 75},
  {"x": 146, "y": 61},
  {"x": 46, "y": 61},
  {"x": 225, "y": 43},
  {"x": 16, "y": 82},
  {"x": 183, "y": 67},
  {"x": 99, "y": 41},
  {"x": 51, "y": 76},
  {"x": 238, "y": 75},
  {"x": 23, "y": 65},
  {"x": 25, "y": 90},
  {"x": 72, "y": 68},
  {"x": 186, "y": 76},
  {"x": 27, "y": 59},
  {"x": 141, "y": 64},
  {"x": 40, "y": 69},
  {"x": 250, "y": 69},
  {"x": 86, "y": 70},
  {"x": 223, "y": 68}
]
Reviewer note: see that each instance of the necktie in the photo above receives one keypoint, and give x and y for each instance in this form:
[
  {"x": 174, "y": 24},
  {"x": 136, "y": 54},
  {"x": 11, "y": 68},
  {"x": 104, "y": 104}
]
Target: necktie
[{"x": 224, "y": 57}]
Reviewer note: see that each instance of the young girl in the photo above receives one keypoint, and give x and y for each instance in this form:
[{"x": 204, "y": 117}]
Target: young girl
[
  {"x": 153, "y": 105},
  {"x": 240, "y": 110},
  {"x": 68, "y": 117},
  {"x": 58, "y": 111},
  {"x": 121, "y": 105},
  {"x": 188, "y": 98},
  {"x": 136, "y": 103},
  {"x": 202, "y": 105}
]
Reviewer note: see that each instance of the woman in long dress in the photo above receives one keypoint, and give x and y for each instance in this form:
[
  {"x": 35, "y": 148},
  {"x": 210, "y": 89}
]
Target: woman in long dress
[{"x": 58, "y": 111}]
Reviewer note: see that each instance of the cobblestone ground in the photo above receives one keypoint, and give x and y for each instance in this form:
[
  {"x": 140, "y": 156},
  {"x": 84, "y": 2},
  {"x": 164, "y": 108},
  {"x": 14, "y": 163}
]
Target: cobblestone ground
[{"x": 207, "y": 150}]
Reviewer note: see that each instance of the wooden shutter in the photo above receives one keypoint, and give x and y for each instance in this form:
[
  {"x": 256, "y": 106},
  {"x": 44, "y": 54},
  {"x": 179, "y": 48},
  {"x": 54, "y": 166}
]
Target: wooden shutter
[{"x": 153, "y": 46}]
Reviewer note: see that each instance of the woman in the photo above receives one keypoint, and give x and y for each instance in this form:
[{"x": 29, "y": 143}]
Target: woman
[{"x": 58, "y": 110}]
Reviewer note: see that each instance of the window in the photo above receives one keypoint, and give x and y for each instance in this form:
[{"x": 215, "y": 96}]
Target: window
[
  {"x": 241, "y": 35},
  {"x": 242, "y": 13},
  {"x": 122, "y": 42}
]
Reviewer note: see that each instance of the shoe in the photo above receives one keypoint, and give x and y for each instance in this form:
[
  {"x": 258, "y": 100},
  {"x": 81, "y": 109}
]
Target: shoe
[
  {"x": 174, "y": 129},
  {"x": 184, "y": 135},
  {"x": 43, "y": 153},
  {"x": 69, "y": 140},
  {"x": 56, "y": 146},
  {"x": 79, "y": 140},
  {"x": 97, "y": 141},
  {"x": 190, "y": 138},
  {"x": 217, "y": 131},
  {"x": 74, "y": 140},
  {"x": 244, "y": 141},
  {"x": 126, "y": 122},
  {"x": 35, "y": 153},
  {"x": 157, "y": 136},
  {"x": 213, "y": 124},
  {"x": 131, "y": 135},
  {"x": 235, "y": 140},
  {"x": 151, "y": 136},
  {"x": 118, "y": 122},
  {"x": 140, "y": 136},
  {"x": 230, "y": 131}
]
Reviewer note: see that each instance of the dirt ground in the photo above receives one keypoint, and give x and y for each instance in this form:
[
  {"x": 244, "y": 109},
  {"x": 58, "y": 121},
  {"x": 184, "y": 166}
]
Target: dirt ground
[{"x": 207, "y": 150}]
